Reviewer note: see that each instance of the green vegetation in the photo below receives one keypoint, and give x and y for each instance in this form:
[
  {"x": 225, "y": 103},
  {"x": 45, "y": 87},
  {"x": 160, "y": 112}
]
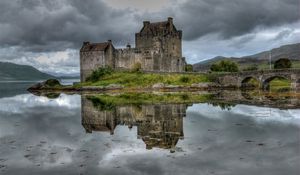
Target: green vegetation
[
  {"x": 99, "y": 73},
  {"x": 189, "y": 68},
  {"x": 251, "y": 84},
  {"x": 224, "y": 66},
  {"x": 108, "y": 102},
  {"x": 52, "y": 95},
  {"x": 252, "y": 67},
  {"x": 280, "y": 84},
  {"x": 283, "y": 63},
  {"x": 139, "y": 79},
  {"x": 52, "y": 83},
  {"x": 137, "y": 67},
  {"x": 265, "y": 65}
]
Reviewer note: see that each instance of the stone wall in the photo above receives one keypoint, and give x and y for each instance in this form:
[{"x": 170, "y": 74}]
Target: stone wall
[
  {"x": 91, "y": 60},
  {"x": 158, "y": 48}
]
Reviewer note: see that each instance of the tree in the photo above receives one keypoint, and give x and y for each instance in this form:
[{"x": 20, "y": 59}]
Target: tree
[
  {"x": 97, "y": 74},
  {"x": 282, "y": 63},
  {"x": 189, "y": 68},
  {"x": 252, "y": 67},
  {"x": 224, "y": 66}
]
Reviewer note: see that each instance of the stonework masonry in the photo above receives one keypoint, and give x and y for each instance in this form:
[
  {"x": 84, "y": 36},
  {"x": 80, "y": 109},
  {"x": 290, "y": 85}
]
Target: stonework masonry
[{"x": 158, "y": 48}]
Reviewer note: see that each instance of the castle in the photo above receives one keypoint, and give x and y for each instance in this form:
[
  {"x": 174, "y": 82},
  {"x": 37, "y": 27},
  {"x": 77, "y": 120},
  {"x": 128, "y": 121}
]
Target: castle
[{"x": 158, "y": 48}]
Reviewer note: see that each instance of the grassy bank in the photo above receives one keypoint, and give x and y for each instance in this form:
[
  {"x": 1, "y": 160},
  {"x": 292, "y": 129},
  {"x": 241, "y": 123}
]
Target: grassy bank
[{"x": 137, "y": 79}]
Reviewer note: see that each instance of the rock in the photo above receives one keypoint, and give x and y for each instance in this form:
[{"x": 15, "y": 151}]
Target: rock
[
  {"x": 115, "y": 86},
  {"x": 204, "y": 85},
  {"x": 36, "y": 86},
  {"x": 46, "y": 84},
  {"x": 172, "y": 86},
  {"x": 158, "y": 85},
  {"x": 200, "y": 85}
]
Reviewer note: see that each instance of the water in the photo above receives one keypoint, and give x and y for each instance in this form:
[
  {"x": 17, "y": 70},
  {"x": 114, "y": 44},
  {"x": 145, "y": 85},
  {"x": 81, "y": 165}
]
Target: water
[{"x": 70, "y": 135}]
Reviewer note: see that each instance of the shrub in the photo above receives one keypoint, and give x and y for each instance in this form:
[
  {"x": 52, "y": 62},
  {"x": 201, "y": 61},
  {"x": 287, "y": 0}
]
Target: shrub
[
  {"x": 189, "y": 68},
  {"x": 283, "y": 63},
  {"x": 252, "y": 67},
  {"x": 212, "y": 77},
  {"x": 52, "y": 83},
  {"x": 99, "y": 73},
  {"x": 137, "y": 67},
  {"x": 184, "y": 79},
  {"x": 185, "y": 97},
  {"x": 224, "y": 66}
]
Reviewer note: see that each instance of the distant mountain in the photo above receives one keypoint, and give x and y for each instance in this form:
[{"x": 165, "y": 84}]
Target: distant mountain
[
  {"x": 65, "y": 75},
  {"x": 291, "y": 51},
  {"x": 11, "y": 71}
]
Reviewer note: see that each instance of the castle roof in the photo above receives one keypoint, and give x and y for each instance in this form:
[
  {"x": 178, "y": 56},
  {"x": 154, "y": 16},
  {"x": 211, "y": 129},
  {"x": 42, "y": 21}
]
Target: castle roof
[
  {"x": 94, "y": 47},
  {"x": 158, "y": 27}
]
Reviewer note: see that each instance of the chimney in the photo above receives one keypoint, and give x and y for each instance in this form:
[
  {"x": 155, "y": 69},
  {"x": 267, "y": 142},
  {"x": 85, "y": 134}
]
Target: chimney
[
  {"x": 170, "y": 20},
  {"x": 128, "y": 46},
  {"x": 146, "y": 23},
  {"x": 86, "y": 43}
]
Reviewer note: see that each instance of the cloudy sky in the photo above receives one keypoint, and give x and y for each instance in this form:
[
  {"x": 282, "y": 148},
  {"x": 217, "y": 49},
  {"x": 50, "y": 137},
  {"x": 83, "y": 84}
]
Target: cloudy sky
[{"x": 47, "y": 34}]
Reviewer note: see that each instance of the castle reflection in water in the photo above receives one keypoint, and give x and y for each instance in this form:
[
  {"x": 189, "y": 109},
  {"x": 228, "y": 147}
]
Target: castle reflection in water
[{"x": 158, "y": 125}]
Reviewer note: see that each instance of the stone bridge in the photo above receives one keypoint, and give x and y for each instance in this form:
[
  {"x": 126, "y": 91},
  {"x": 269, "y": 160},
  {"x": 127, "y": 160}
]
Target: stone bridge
[{"x": 264, "y": 77}]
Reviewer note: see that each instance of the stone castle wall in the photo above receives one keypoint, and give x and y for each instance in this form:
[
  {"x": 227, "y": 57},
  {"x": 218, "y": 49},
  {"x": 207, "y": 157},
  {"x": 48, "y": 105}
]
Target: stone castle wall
[
  {"x": 91, "y": 60},
  {"x": 158, "y": 48}
]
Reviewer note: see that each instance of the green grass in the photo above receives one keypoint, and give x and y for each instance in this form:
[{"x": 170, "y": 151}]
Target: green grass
[
  {"x": 136, "y": 79},
  {"x": 280, "y": 83},
  {"x": 254, "y": 82}
]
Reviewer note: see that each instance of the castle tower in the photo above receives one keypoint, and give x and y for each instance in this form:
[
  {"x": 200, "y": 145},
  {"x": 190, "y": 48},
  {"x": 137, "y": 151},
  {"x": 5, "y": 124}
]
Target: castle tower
[{"x": 161, "y": 41}]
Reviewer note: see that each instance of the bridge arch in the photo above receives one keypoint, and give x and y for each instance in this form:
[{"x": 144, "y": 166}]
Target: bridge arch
[
  {"x": 265, "y": 84},
  {"x": 247, "y": 82}
]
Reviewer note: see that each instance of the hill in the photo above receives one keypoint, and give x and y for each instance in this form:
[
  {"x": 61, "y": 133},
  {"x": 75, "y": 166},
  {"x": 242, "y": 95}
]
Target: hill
[
  {"x": 11, "y": 72},
  {"x": 261, "y": 59}
]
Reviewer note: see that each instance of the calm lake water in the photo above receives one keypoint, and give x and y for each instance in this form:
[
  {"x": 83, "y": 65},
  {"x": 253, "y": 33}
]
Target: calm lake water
[{"x": 69, "y": 135}]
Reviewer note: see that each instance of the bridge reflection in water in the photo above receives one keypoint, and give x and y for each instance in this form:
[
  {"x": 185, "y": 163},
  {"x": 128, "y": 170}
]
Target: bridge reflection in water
[{"x": 158, "y": 125}]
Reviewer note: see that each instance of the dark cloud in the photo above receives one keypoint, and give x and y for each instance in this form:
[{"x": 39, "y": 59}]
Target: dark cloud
[
  {"x": 57, "y": 25},
  {"x": 234, "y": 17},
  {"x": 52, "y": 25}
]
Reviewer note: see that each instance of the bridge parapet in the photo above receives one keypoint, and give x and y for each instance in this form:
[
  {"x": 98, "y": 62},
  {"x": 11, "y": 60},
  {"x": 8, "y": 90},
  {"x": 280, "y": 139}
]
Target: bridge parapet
[{"x": 262, "y": 76}]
